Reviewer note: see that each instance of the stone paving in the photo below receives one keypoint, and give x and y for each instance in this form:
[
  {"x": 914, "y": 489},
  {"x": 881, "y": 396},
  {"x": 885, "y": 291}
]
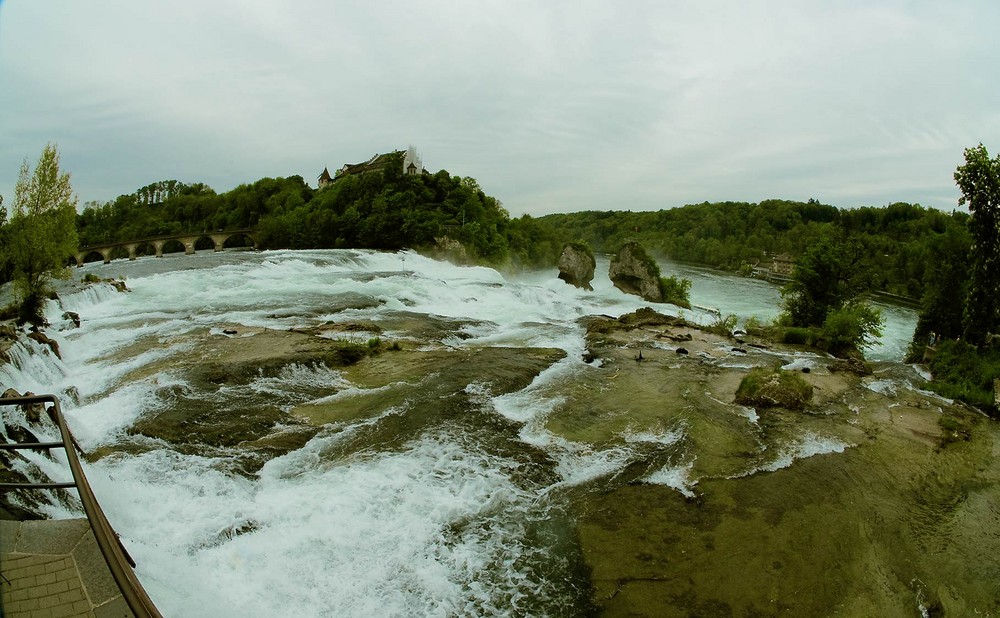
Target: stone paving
[{"x": 54, "y": 569}]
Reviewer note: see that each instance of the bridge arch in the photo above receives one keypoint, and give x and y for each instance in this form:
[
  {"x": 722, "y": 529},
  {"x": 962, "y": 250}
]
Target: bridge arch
[
  {"x": 91, "y": 255},
  {"x": 238, "y": 240},
  {"x": 205, "y": 242},
  {"x": 187, "y": 243},
  {"x": 143, "y": 248},
  {"x": 171, "y": 245},
  {"x": 118, "y": 252}
]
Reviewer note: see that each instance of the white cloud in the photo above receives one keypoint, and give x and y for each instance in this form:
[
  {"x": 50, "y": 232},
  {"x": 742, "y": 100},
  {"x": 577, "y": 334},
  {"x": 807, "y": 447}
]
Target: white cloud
[{"x": 553, "y": 106}]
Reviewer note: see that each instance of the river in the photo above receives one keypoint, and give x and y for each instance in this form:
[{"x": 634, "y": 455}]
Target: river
[{"x": 445, "y": 520}]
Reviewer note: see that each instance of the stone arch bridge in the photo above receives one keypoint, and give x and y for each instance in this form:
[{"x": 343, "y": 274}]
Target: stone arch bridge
[{"x": 157, "y": 243}]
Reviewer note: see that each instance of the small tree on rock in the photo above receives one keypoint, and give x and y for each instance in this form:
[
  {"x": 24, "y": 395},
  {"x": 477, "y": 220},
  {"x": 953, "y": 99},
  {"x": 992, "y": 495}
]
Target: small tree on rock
[{"x": 41, "y": 235}]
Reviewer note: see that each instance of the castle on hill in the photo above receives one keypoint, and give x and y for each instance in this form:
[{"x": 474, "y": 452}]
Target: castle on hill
[{"x": 412, "y": 164}]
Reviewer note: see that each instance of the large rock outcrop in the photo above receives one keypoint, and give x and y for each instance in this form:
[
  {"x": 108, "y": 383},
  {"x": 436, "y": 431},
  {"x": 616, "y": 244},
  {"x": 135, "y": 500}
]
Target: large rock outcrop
[
  {"x": 576, "y": 265},
  {"x": 634, "y": 272}
]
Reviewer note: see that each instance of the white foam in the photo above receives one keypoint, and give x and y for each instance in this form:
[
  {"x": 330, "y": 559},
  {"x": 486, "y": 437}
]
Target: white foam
[
  {"x": 922, "y": 371},
  {"x": 807, "y": 445},
  {"x": 678, "y": 477},
  {"x": 663, "y": 437},
  {"x": 882, "y": 387},
  {"x": 800, "y": 363},
  {"x": 433, "y": 529}
]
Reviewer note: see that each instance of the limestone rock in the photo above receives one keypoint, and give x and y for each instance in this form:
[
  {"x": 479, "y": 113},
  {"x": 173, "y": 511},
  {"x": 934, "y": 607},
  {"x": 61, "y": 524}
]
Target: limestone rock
[
  {"x": 852, "y": 364},
  {"x": 634, "y": 272},
  {"x": 450, "y": 249},
  {"x": 32, "y": 411},
  {"x": 44, "y": 339},
  {"x": 73, "y": 317},
  {"x": 576, "y": 266}
]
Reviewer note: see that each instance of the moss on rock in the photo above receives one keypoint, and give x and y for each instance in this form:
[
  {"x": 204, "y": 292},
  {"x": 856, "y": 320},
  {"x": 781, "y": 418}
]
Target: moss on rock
[{"x": 767, "y": 388}]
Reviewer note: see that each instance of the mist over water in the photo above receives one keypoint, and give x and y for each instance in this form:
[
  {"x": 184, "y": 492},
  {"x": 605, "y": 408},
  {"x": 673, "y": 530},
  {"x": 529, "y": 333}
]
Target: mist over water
[{"x": 447, "y": 522}]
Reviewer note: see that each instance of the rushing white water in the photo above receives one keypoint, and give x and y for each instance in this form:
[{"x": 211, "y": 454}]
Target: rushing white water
[{"x": 440, "y": 525}]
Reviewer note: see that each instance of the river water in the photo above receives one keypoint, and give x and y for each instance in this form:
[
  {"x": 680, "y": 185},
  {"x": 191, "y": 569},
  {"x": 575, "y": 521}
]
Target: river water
[{"x": 444, "y": 522}]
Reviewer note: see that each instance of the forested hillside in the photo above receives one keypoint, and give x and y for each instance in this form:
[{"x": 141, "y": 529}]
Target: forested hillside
[
  {"x": 903, "y": 241},
  {"x": 381, "y": 210}
]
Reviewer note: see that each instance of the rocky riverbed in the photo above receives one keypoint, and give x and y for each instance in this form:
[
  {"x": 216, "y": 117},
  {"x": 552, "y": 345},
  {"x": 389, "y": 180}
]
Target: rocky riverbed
[{"x": 877, "y": 499}]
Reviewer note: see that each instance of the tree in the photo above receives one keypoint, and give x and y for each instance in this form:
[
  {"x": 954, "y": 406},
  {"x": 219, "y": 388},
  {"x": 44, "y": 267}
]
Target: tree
[
  {"x": 825, "y": 294},
  {"x": 5, "y": 267},
  {"x": 979, "y": 181},
  {"x": 829, "y": 275},
  {"x": 42, "y": 231},
  {"x": 945, "y": 290}
]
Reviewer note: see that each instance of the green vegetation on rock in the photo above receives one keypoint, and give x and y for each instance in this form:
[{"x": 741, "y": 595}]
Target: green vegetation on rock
[
  {"x": 676, "y": 291},
  {"x": 766, "y": 388},
  {"x": 825, "y": 296}
]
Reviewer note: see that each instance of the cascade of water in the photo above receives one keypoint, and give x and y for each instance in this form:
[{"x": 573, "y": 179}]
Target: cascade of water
[{"x": 441, "y": 522}]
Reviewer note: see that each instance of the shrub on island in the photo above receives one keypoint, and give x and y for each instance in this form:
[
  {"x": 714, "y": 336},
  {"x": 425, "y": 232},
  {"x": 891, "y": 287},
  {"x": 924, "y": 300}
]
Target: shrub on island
[{"x": 772, "y": 387}]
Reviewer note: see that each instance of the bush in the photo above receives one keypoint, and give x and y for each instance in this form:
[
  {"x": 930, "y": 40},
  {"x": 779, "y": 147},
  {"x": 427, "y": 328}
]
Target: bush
[
  {"x": 765, "y": 388},
  {"x": 798, "y": 335},
  {"x": 961, "y": 372},
  {"x": 724, "y": 325},
  {"x": 91, "y": 278},
  {"x": 851, "y": 328},
  {"x": 349, "y": 352},
  {"x": 676, "y": 291},
  {"x": 759, "y": 328}
]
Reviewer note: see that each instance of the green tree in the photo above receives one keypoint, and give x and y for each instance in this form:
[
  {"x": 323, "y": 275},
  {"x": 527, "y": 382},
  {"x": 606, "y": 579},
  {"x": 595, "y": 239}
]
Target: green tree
[
  {"x": 825, "y": 292},
  {"x": 41, "y": 233},
  {"x": 945, "y": 290},
  {"x": 5, "y": 266},
  {"x": 979, "y": 181},
  {"x": 828, "y": 276}
]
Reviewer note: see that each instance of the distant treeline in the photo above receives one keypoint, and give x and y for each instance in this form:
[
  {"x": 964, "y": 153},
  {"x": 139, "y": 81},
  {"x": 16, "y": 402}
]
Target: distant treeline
[
  {"x": 903, "y": 241},
  {"x": 906, "y": 243}
]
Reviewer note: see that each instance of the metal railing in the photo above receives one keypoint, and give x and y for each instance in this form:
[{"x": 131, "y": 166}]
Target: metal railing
[{"x": 119, "y": 562}]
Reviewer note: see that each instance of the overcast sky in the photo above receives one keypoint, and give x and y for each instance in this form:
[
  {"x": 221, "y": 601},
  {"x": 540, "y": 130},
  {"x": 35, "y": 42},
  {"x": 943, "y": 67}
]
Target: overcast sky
[{"x": 551, "y": 106}]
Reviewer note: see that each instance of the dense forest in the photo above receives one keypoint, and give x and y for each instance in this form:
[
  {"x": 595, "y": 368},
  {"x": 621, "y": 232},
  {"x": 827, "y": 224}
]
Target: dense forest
[{"x": 903, "y": 241}]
